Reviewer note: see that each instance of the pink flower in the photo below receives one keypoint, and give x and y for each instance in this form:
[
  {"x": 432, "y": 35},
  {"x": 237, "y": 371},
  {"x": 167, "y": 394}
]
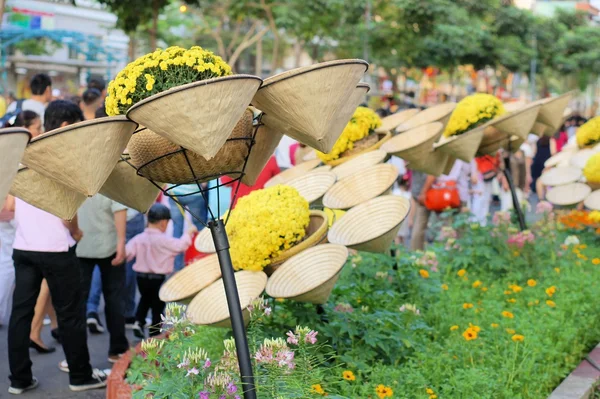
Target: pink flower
[
  {"x": 285, "y": 358},
  {"x": 231, "y": 388},
  {"x": 311, "y": 337},
  {"x": 207, "y": 363},
  {"x": 204, "y": 395},
  {"x": 521, "y": 238},
  {"x": 193, "y": 370},
  {"x": 501, "y": 218},
  {"x": 267, "y": 311},
  {"x": 292, "y": 339},
  {"x": 185, "y": 363},
  {"x": 544, "y": 207}
]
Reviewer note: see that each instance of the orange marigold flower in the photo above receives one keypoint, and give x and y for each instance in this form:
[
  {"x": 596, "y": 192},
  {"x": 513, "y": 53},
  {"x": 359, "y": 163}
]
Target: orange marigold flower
[
  {"x": 484, "y": 289},
  {"x": 445, "y": 287},
  {"x": 348, "y": 375},
  {"x": 467, "y": 305},
  {"x": 518, "y": 338},
  {"x": 424, "y": 273},
  {"x": 383, "y": 391},
  {"x": 508, "y": 314},
  {"x": 511, "y": 300},
  {"x": 461, "y": 272},
  {"x": 596, "y": 261},
  {"x": 453, "y": 328},
  {"x": 551, "y": 291},
  {"x": 494, "y": 325},
  {"x": 508, "y": 292},
  {"x": 317, "y": 388},
  {"x": 470, "y": 334},
  {"x": 510, "y": 331},
  {"x": 474, "y": 328},
  {"x": 477, "y": 284},
  {"x": 550, "y": 303},
  {"x": 531, "y": 282}
]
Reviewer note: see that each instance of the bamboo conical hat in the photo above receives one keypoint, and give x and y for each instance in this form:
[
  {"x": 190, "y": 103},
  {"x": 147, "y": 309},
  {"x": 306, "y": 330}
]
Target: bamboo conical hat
[
  {"x": 561, "y": 158},
  {"x": 265, "y": 143},
  {"x": 191, "y": 279},
  {"x": 13, "y": 141},
  {"x": 580, "y": 158},
  {"x": 313, "y": 186},
  {"x": 305, "y": 103},
  {"x": 198, "y": 116},
  {"x": 310, "y": 275},
  {"x": 552, "y": 110},
  {"x": 593, "y": 201},
  {"x": 292, "y": 173},
  {"x": 561, "y": 175},
  {"x": 83, "y": 155},
  {"x": 204, "y": 242},
  {"x": 568, "y": 194},
  {"x": 209, "y": 307},
  {"x": 415, "y": 144},
  {"x": 359, "y": 163},
  {"x": 126, "y": 187},
  {"x": 354, "y": 101},
  {"x": 438, "y": 113},
  {"x": 46, "y": 194},
  {"x": 372, "y": 225},
  {"x": 449, "y": 165},
  {"x": 433, "y": 163},
  {"x": 391, "y": 122},
  {"x": 361, "y": 187},
  {"x": 514, "y": 105},
  {"x": 463, "y": 146},
  {"x": 517, "y": 123}
]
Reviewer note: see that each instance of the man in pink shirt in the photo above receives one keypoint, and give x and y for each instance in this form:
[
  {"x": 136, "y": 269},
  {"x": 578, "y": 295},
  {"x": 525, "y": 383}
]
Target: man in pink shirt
[{"x": 154, "y": 252}]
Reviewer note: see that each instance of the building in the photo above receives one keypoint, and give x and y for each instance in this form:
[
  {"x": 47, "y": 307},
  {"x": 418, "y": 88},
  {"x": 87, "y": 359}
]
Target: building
[
  {"x": 549, "y": 7},
  {"x": 68, "y": 42}
]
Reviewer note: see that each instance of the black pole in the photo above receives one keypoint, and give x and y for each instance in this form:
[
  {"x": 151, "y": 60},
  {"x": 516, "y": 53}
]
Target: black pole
[
  {"x": 217, "y": 228},
  {"x": 515, "y": 199}
]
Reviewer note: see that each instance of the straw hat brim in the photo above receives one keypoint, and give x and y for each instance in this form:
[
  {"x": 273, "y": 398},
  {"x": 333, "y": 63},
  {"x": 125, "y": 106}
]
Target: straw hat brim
[
  {"x": 438, "y": 113},
  {"x": 306, "y": 103},
  {"x": 391, "y": 122},
  {"x": 265, "y": 143},
  {"x": 46, "y": 194},
  {"x": 12, "y": 146},
  {"x": 552, "y": 110},
  {"x": 568, "y": 194},
  {"x": 310, "y": 275},
  {"x": 580, "y": 158},
  {"x": 561, "y": 175},
  {"x": 563, "y": 157},
  {"x": 383, "y": 137},
  {"x": 313, "y": 186},
  {"x": 371, "y": 226},
  {"x": 198, "y": 116},
  {"x": 517, "y": 123},
  {"x": 293, "y": 172},
  {"x": 593, "y": 201},
  {"x": 83, "y": 155},
  {"x": 190, "y": 280},
  {"x": 204, "y": 242},
  {"x": 126, "y": 187},
  {"x": 209, "y": 307},
  {"x": 463, "y": 146},
  {"x": 359, "y": 163},
  {"x": 413, "y": 144},
  {"x": 311, "y": 156},
  {"x": 360, "y": 187}
]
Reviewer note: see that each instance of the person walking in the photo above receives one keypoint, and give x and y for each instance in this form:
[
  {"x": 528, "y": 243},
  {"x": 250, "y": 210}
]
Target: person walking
[
  {"x": 421, "y": 182},
  {"x": 41, "y": 94}
]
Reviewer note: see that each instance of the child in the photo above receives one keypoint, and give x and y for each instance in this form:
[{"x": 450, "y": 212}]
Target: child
[{"x": 154, "y": 253}]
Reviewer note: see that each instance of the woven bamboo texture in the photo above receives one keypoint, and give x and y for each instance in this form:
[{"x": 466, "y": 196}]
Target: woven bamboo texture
[
  {"x": 464, "y": 146},
  {"x": 198, "y": 116},
  {"x": 313, "y": 186},
  {"x": 593, "y": 201},
  {"x": 517, "y": 123},
  {"x": 12, "y": 146},
  {"x": 391, "y": 122},
  {"x": 433, "y": 163},
  {"x": 416, "y": 147},
  {"x": 293, "y": 173},
  {"x": 381, "y": 138},
  {"x": 561, "y": 175},
  {"x": 580, "y": 158},
  {"x": 83, "y": 155},
  {"x": 209, "y": 307},
  {"x": 306, "y": 103},
  {"x": 46, "y": 194},
  {"x": 449, "y": 165},
  {"x": 568, "y": 194},
  {"x": 552, "y": 110},
  {"x": 561, "y": 158},
  {"x": 204, "y": 242},
  {"x": 190, "y": 280},
  {"x": 266, "y": 141},
  {"x": 371, "y": 226},
  {"x": 309, "y": 276},
  {"x": 438, "y": 113},
  {"x": 356, "y": 98},
  {"x": 361, "y": 187},
  {"x": 359, "y": 163}
]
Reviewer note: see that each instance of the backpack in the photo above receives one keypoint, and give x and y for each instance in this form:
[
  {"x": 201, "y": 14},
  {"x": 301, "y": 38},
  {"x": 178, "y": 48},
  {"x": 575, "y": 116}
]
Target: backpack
[
  {"x": 8, "y": 119},
  {"x": 488, "y": 166}
]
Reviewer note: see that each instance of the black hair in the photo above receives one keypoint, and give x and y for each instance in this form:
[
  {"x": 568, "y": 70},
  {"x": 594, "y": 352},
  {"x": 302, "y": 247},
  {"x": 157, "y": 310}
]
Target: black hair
[
  {"x": 158, "y": 212},
  {"x": 25, "y": 119},
  {"x": 97, "y": 83},
  {"x": 90, "y": 96},
  {"x": 101, "y": 111},
  {"x": 39, "y": 83},
  {"x": 60, "y": 111}
]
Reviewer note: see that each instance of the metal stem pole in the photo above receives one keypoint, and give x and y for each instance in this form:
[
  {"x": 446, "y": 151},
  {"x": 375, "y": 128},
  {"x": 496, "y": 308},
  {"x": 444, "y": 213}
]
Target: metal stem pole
[
  {"x": 217, "y": 228},
  {"x": 515, "y": 199}
]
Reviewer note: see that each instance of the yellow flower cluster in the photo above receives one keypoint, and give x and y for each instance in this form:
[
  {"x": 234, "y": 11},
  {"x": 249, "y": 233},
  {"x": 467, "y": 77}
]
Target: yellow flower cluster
[
  {"x": 589, "y": 133},
  {"x": 383, "y": 391},
  {"x": 472, "y": 111},
  {"x": 591, "y": 171},
  {"x": 265, "y": 223},
  {"x": 159, "y": 71},
  {"x": 594, "y": 216},
  {"x": 363, "y": 122}
]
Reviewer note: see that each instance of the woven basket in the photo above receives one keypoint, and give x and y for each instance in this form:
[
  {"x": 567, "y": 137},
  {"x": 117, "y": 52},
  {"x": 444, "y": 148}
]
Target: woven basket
[
  {"x": 12, "y": 146},
  {"x": 561, "y": 175},
  {"x": 552, "y": 111},
  {"x": 198, "y": 116},
  {"x": 463, "y": 146},
  {"x": 561, "y": 158},
  {"x": 265, "y": 143},
  {"x": 292, "y": 173},
  {"x": 313, "y": 186},
  {"x": 80, "y": 156},
  {"x": 190, "y": 280},
  {"x": 416, "y": 145},
  {"x": 361, "y": 187},
  {"x": 580, "y": 158},
  {"x": 593, "y": 201},
  {"x": 209, "y": 307},
  {"x": 316, "y": 232},
  {"x": 371, "y": 226},
  {"x": 158, "y": 159},
  {"x": 359, "y": 163},
  {"x": 309, "y": 276},
  {"x": 125, "y": 186},
  {"x": 568, "y": 194},
  {"x": 204, "y": 242},
  {"x": 307, "y": 103},
  {"x": 46, "y": 194},
  {"x": 438, "y": 113},
  {"x": 391, "y": 122},
  {"x": 374, "y": 142}
]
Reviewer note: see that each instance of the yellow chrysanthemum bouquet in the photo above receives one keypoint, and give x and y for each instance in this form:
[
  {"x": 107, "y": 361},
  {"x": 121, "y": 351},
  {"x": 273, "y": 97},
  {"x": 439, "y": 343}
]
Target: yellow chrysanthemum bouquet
[
  {"x": 265, "y": 223},
  {"x": 473, "y": 111},
  {"x": 589, "y": 133},
  {"x": 363, "y": 123},
  {"x": 591, "y": 171},
  {"x": 159, "y": 71}
]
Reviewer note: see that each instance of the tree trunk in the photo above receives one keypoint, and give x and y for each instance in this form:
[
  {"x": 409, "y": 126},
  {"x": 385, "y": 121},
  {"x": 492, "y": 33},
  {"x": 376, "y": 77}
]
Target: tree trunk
[
  {"x": 154, "y": 31},
  {"x": 2, "y": 5},
  {"x": 259, "y": 58},
  {"x": 297, "y": 53},
  {"x": 452, "y": 75},
  {"x": 131, "y": 48}
]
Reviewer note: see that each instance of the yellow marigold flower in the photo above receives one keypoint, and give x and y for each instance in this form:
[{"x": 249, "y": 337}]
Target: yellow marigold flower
[
  {"x": 474, "y": 328},
  {"x": 432, "y": 396},
  {"x": 453, "y": 328},
  {"x": 550, "y": 303},
  {"x": 477, "y": 284},
  {"x": 508, "y": 315},
  {"x": 317, "y": 388},
  {"x": 348, "y": 375},
  {"x": 531, "y": 282},
  {"x": 594, "y": 216},
  {"x": 596, "y": 261},
  {"x": 467, "y": 305},
  {"x": 510, "y": 331},
  {"x": 461, "y": 272},
  {"x": 494, "y": 325},
  {"x": 383, "y": 391},
  {"x": 550, "y": 291},
  {"x": 429, "y": 391},
  {"x": 424, "y": 273},
  {"x": 589, "y": 133},
  {"x": 508, "y": 292},
  {"x": 557, "y": 269},
  {"x": 472, "y": 111},
  {"x": 511, "y": 300},
  {"x": 445, "y": 287},
  {"x": 518, "y": 338},
  {"x": 516, "y": 288},
  {"x": 484, "y": 289},
  {"x": 469, "y": 334},
  {"x": 516, "y": 253}
]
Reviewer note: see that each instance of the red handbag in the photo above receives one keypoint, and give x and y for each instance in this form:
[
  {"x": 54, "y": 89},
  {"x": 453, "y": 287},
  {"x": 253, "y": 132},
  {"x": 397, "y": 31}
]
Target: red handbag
[{"x": 441, "y": 196}]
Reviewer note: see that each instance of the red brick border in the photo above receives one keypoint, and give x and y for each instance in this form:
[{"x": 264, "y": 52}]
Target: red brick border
[{"x": 580, "y": 383}]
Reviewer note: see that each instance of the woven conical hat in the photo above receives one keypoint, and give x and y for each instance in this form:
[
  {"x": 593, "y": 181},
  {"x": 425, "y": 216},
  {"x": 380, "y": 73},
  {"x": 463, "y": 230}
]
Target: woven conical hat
[
  {"x": 311, "y": 156},
  {"x": 12, "y": 145},
  {"x": 415, "y": 144},
  {"x": 463, "y": 146},
  {"x": 539, "y": 129},
  {"x": 355, "y": 99},
  {"x": 361, "y": 187},
  {"x": 292, "y": 173},
  {"x": 514, "y": 105},
  {"x": 83, "y": 155},
  {"x": 305, "y": 103},
  {"x": 265, "y": 143},
  {"x": 322, "y": 168},
  {"x": 209, "y": 307},
  {"x": 561, "y": 175},
  {"x": 449, "y": 165},
  {"x": 126, "y": 187},
  {"x": 313, "y": 186},
  {"x": 593, "y": 201},
  {"x": 561, "y": 158},
  {"x": 438, "y": 113},
  {"x": 391, "y": 122},
  {"x": 309, "y": 276},
  {"x": 359, "y": 163},
  {"x": 580, "y": 158},
  {"x": 552, "y": 110},
  {"x": 371, "y": 226},
  {"x": 204, "y": 242},
  {"x": 46, "y": 194},
  {"x": 517, "y": 123},
  {"x": 568, "y": 194},
  {"x": 198, "y": 116},
  {"x": 190, "y": 280},
  {"x": 433, "y": 163}
]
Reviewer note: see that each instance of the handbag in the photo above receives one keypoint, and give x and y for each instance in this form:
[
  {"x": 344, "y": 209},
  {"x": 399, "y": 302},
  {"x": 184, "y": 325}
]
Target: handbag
[{"x": 441, "y": 196}]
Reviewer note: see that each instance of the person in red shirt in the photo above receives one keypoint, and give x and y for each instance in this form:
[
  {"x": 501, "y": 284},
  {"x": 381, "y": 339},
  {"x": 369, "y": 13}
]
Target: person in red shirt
[{"x": 271, "y": 169}]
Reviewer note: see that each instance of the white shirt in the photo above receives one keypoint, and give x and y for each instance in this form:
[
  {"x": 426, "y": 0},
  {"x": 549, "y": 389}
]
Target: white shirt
[
  {"x": 282, "y": 152},
  {"x": 40, "y": 231},
  {"x": 29, "y": 105},
  {"x": 399, "y": 164}
]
